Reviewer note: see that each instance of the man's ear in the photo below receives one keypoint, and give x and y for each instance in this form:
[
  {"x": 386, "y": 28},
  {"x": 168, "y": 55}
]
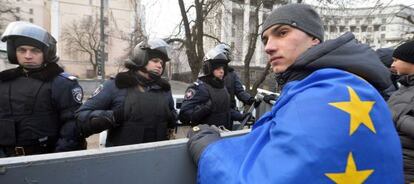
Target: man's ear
[{"x": 315, "y": 41}]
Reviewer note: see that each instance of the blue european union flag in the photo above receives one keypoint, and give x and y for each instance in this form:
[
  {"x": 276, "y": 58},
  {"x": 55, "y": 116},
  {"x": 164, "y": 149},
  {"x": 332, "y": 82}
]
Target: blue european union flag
[{"x": 331, "y": 127}]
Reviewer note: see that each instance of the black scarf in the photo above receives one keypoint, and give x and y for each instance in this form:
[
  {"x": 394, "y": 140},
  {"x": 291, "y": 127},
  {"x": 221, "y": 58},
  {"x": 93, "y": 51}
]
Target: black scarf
[
  {"x": 46, "y": 73},
  {"x": 213, "y": 81},
  {"x": 131, "y": 79}
]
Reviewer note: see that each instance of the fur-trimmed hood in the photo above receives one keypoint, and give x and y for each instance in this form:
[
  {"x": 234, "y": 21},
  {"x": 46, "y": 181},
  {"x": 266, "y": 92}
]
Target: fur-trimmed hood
[{"x": 130, "y": 79}]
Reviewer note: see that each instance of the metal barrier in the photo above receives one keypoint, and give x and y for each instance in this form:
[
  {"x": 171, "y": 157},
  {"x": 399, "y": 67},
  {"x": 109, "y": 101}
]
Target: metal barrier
[{"x": 157, "y": 162}]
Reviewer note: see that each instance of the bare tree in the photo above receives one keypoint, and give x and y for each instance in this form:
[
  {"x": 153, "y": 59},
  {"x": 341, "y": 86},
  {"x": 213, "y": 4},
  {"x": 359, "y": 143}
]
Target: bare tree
[
  {"x": 137, "y": 34},
  {"x": 8, "y": 13},
  {"x": 194, "y": 31},
  {"x": 83, "y": 36},
  {"x": 134, "y": 36}
]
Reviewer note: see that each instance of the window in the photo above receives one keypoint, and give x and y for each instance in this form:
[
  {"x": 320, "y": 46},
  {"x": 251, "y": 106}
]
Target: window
[
  {"x": 341, "y": 29},
  {"x": 382, "y": 36},
  {"x": 384, "y": 20},
  {"x": 31, "y": 20},
  {"x": 18, "y": 10},
  {"x": 17, "y": 18},
  {"x": 383, "y": 28},
  {"x": 106, "y": 21},
  {"x": 253, "y": 2},
  {"x": 364, "y": 28},
  {"x": 333, "y": 29},
  {"x": 376, "y": 27},
  {"x": 369, "y": 29},
  {"x": 268, "y": 4},
  {"x": 31, "y": 10}
]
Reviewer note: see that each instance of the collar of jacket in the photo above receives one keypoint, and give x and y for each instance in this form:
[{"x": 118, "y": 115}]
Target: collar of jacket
[
  {"x": 406, "y": 80},
  {"x": 213, "y": 81},
  {"x": 130, "y": 79},
  {"x": 48, "y": 73}
]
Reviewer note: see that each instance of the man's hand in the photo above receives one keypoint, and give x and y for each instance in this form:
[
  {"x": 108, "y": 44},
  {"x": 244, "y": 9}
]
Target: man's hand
[
  {"x": 199, "y": 138},
  {"x": 269, "y": 98}
]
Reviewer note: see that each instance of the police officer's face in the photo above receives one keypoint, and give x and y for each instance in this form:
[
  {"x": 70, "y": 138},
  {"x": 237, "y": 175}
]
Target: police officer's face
[
  {"x": 219, "y": 72},
  {"x": 29, "y": 56},
  {"x": 155, "y": 66},
  {"x": 284, "y": 44},
  {"x": 402, "y": 68}
]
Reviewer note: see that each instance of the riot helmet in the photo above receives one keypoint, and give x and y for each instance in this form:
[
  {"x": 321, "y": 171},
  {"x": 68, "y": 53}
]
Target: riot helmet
[
  {"x": 215, "y": 58},
  {"x": 226, "y": 50},
  {"x": 24, "y": 33},
  {"x": 145, "y": 51}
]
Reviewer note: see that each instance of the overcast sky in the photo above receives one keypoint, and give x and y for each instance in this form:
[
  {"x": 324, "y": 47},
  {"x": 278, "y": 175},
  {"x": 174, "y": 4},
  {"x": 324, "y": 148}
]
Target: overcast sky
[{"x": 163, "y": 16}]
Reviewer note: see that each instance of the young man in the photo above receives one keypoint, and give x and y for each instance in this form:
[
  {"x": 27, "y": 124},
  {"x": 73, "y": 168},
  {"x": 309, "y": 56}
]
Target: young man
[
  {"x": 402, "y": 104},
  {"x": 135, "y": 107},
  {"x": 37, "y": 99},
  {"x": 328, "y": 126},
  {"x": 207, "y": 101}
]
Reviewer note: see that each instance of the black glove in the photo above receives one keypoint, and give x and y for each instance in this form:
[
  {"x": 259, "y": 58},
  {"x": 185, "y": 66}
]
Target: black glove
[
  {"x": 250, "y": 101},
  {"x": 95, "y": 125},
  {"x": 268, "y": 98},
  {"x": 199, "y": 138}
]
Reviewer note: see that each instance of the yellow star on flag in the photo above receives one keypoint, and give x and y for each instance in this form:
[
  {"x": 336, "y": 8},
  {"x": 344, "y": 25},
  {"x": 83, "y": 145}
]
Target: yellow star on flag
[
  {"x": 351, "y": 175},
  {"x": 358, "y": 110}
]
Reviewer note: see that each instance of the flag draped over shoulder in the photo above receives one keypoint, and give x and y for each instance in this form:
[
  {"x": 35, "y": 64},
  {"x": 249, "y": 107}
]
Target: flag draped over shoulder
[{"x": 331, "y": 127}]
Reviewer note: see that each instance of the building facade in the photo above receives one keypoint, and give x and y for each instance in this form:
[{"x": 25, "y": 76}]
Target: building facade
[
  {"x": 123, "y": 28},
  {"x": 378, "y": 26},
  {"x": 121, "y": 18},
  {"x": 233, "y": 21}
]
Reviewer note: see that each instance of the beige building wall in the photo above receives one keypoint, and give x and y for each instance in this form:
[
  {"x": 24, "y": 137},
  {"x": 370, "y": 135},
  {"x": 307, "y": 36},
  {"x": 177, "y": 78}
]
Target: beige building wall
[
  {"x": 55, "y": 15},
  {"x": 121, "y": 16},
  {"x": 34, "y": 11}
]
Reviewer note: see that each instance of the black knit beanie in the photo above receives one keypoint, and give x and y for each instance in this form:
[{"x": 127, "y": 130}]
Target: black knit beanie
[
  {"x": 405, "y": 52},
  {"x": 300, "y": 16}
]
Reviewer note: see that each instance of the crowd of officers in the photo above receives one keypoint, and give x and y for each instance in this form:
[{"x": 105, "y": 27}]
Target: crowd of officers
[{"x": 41, "y": 108}]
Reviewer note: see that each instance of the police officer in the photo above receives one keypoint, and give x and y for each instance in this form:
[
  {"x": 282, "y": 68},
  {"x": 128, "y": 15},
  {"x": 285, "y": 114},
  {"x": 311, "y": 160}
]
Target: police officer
[
  {"x": 233, "y": 83},
  {"x": 37, "y": 99},
  {"x": 137, "y": 106},
  {"x": 207, "y": 101}
]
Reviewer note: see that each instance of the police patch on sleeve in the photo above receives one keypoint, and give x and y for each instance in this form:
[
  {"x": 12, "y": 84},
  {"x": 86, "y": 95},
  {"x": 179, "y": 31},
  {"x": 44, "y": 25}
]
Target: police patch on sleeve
[
  {"x": 97, "y": 90},
  {"x": 77, "y": 94},
  {"x": 189, "y": 93}
]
